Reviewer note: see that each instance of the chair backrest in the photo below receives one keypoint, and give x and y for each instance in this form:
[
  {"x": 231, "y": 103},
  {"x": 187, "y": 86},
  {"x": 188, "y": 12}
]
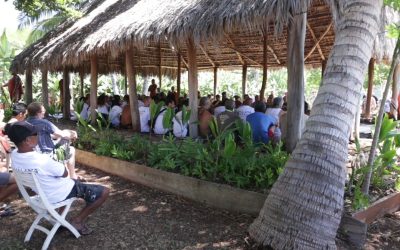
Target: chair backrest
[{"x": 28, "y": 179}]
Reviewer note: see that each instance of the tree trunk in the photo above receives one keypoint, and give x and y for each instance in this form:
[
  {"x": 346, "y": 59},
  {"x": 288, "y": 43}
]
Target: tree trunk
[
  {"x": 66, "y": 105},
  {"x": 45, "y": 89},
  {"x": 265, "y": 68},
  {"x": 133, "y": 98},
  {"x": 178, "y": 78},
  {"x": 244, "y": 78},
  {"x": 93, "y": 89},
  {"x": 295, "y": 66},
  {"x": 215, "y": 81},
  {"x": 193, "y": 87},
  {"x": 394, "y": 104},
  {"x": 371, "y": 66},
  {"x": 28, "y": 86},
  {"x": 82, "y": 83},
  {"x": 304, "y": 207}
]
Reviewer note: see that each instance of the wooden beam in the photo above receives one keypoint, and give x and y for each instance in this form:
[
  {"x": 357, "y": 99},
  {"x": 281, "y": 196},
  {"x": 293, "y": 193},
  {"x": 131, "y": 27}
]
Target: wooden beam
[
  {"x": 394, "y": 103},
  {"x": 316, "y": 41},
  {"x": 184, "y": 62},
  {"x": 93, "y": 88},
  {"x": 193, "y": 87},
  {"x": 319, "y": 40},
  {"x": 45, "y": 89},
  {"x": 371, "y": 67},
  {"x": 295, "y": 96},
  {"x": 178, "y": 77},
  {"x": 265, "y": 67},
  {"x": 274, "y": 54},
  {"x": 133, "y": 98},
  {"x": 215, "y": 81},
  {"x": 82, "y": 82},
  {"x": 237, "y": 52},
  {"x": 159, "y": 66},
  {"x": 244, "y": 79},
  {"x": 207, "y": 55},
  {"x": 66, "y": 105},
  {"x": 28, "y": 86}
]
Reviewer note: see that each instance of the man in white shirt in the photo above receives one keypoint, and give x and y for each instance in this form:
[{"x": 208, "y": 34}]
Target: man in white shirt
[
  {"x": 53, "y": 175},
  {"x": 244, "y": 110},
  {"x": 158, "y": 126},
  {"x": 115, "y": 112},
  {"x": 144, "y": 114}
]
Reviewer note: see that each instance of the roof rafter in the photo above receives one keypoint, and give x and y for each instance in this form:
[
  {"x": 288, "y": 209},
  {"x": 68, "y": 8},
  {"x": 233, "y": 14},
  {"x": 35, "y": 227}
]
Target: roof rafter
[
  {"x": 237, "y": 53},
  {"x": 315, "y": 40},
  {"x": 274, "y": 54},
  {"x": 207, "y": 55},
  {"x": 319, "y": 40},
  {"x": 240, "y": 54}
]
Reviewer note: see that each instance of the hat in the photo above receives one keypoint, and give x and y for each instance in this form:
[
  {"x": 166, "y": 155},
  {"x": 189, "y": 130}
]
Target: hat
[{"x": 19, "y": 131}]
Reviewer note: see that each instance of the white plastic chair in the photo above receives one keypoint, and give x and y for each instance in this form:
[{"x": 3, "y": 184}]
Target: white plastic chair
[{"x": 42, "y": 207}]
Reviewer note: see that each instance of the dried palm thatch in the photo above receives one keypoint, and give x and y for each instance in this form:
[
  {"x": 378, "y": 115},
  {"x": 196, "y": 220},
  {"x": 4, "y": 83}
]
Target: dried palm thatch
[{"x": 228, "y": 33}]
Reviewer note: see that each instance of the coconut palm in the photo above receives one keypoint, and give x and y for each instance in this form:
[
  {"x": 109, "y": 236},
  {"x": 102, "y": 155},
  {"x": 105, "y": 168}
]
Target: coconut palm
[{"x": 304, "y": 207}]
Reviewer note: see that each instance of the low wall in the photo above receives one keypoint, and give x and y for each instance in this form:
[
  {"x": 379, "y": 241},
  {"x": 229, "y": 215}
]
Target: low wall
[{"x": 212, "y": 194}]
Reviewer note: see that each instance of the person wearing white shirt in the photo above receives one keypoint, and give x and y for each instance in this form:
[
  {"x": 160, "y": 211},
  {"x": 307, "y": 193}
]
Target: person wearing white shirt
[
  {"x": 85, "y": 109},
  {"x": 52, "y": 175},
  {"x": 144, "y": 114},
  {"x": 276, "y": 109},
  {"x": 179, "y": 128},
  {"x": 244, "y": 110},
  {"x": 115, "y": 113},
  {"x": 158, "y": 126},
  {"x": 219, "y": 109}
]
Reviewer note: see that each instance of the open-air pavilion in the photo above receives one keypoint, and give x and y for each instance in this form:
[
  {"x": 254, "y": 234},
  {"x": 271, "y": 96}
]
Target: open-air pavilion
[{"x": 152, "y": 37}]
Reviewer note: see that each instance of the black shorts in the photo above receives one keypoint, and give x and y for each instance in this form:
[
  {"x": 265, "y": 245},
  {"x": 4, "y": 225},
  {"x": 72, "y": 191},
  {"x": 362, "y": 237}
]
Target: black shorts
[{"x": 89, "y": 192}]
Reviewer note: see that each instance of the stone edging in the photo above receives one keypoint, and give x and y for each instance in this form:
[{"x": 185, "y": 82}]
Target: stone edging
[{"x": 212, "y": 194}]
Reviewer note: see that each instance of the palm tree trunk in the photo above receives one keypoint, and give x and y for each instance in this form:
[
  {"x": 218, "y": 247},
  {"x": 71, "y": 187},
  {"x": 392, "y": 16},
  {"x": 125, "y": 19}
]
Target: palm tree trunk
[{"x": 304, "y": 207}]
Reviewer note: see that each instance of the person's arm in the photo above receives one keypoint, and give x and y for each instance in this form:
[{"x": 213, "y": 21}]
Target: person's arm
[{"x": 65, "y": 173}]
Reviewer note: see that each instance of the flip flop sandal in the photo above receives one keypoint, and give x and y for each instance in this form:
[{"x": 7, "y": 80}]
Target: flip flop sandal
[
  {"x": 5, "y": 207},
  {"x": 7, "y": 213}
]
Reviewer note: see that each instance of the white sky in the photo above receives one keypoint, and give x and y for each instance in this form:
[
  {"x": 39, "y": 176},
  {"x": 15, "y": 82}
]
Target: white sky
[{"x": 8, "y": 16}]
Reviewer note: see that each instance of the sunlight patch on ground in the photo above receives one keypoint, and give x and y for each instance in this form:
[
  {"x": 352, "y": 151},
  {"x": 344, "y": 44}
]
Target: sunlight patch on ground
[
  {"x": 140, "y": 209},
  {"x": 224, "y": 243}
]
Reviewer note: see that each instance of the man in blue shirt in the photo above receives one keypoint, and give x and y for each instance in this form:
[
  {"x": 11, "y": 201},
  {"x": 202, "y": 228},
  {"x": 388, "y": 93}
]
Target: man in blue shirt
[
  {"x": 262, "y": 125},
  {"x": 47, "y": 132}
]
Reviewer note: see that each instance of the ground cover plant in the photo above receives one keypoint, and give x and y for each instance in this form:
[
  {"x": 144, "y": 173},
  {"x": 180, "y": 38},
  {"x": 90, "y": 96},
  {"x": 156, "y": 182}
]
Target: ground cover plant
[{"x": 230, "y": 157}]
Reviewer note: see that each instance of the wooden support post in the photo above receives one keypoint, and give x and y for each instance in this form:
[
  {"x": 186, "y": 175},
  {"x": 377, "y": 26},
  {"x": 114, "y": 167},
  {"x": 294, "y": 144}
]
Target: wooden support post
[
  {"x": 45, "y": 90},
  {"x": 265, "y": 67},
  {"x": 193, "y": 87},
  {"x": 93, "y": 89},
  {"x": 160, "y": 66},
  {"x": 394, "y": 103},
  {"x": 126, "y": 84},
  {"x": 215, "y": 80},
  {"x": 133, "y": 98},
  {"x": 371, "y": 67},
  {"x": 323, "y": 67},
  {"x": 295, "y": 66},
  {"x": 178, "y": 76},
  {"x": 66, "y": 105},
  {"x": 28, "y": 86},
  {"x": 82, "y": 83},
  {"x": 244, "y": 79}
]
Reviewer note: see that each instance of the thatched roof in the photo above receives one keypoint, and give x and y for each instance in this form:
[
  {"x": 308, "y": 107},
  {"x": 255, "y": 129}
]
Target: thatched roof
[{"x": 229, "y": 33}]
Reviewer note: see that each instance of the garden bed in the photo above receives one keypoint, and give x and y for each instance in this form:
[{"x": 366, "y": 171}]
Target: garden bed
[{"x": 213, "y": 194}]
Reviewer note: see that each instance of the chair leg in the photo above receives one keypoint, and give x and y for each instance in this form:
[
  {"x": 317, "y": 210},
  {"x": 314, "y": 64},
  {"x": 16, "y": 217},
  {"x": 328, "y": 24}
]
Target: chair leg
[
  {"x": 50, "y": 236},
  {"x": 32, "y": 228}
]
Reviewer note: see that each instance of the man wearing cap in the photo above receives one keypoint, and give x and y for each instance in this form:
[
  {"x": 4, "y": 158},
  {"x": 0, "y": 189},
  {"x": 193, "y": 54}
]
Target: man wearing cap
[
  {"x": 52, "y": 175},
  {"x": 48, "y": 131}
]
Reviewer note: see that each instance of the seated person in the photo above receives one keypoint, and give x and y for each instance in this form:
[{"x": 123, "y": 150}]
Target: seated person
[
  {"x": 245, "y": 110},
  {"x": 8, "y": 187},
  {"x": 205, "y": 117},
  {"x": 126, "y": 117},
  {"x": 102, "y": 106},
  {"x": 227, "y": 118},
  {"x": 144, "y": 114},
  {"x": 276, "y": 109},
  {"x": 47, "y": 132},
  {"x": 179, "y": 128},
  {"x": 159, "y": 126},
  {"x": 52, "y": 175},
  {"x": 85, "y": 109},
  {"x": 219, "y": 109},
  {"x": 18, "y": 112},
  {"x": 262, "y": 125},
  {"x": 115, "y": 112}
]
